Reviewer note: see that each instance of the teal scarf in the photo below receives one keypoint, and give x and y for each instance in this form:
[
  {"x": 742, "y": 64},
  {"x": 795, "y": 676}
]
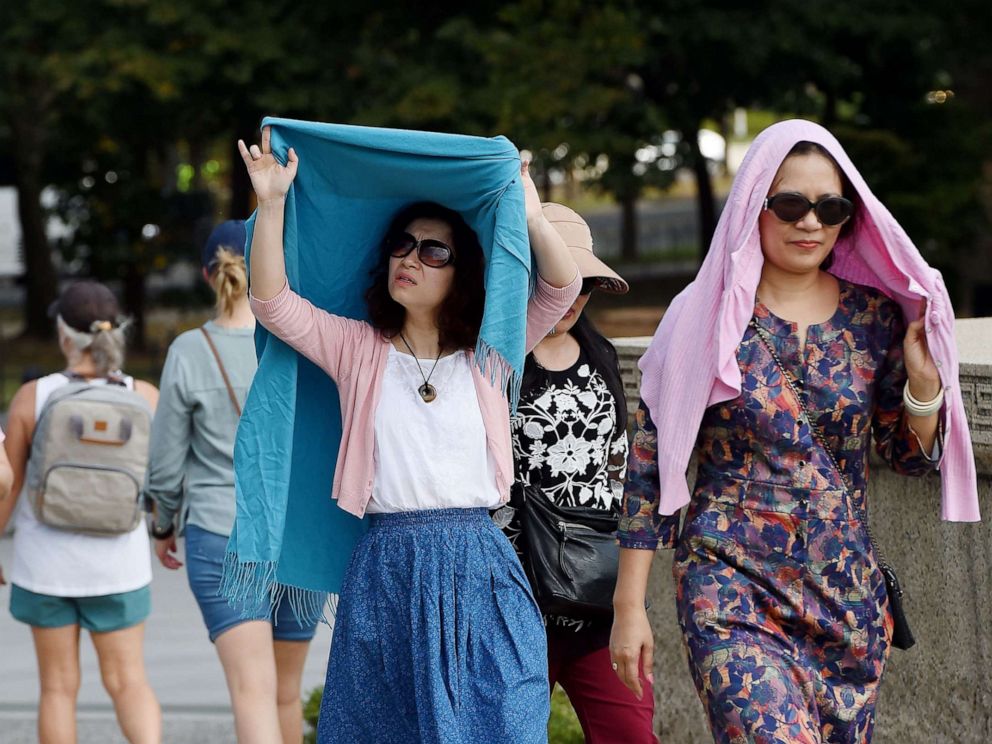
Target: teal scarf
[{"x": 290, "y": 540}]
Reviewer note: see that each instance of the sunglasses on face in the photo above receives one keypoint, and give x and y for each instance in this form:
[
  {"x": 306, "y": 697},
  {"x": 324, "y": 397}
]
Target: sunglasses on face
[
  {"x": 430, "y": 252},
  {"x": 588, "y": 285},
  {"x": 791, "y": 207}
]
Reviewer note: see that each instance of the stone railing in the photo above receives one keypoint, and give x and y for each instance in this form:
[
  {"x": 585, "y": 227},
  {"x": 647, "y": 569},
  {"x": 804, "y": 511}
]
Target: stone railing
[{"x": 939, "y": 691}]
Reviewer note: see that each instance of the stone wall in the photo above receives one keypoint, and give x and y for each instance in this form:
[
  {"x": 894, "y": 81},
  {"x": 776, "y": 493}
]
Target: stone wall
[{"x": 939, "y": 691}]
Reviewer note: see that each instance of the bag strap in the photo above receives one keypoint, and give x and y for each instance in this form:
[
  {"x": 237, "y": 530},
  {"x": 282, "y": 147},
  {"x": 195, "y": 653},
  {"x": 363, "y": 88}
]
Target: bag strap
[
  {"x": 818, "y": 435},
  {"x": 223, "y": 371}
]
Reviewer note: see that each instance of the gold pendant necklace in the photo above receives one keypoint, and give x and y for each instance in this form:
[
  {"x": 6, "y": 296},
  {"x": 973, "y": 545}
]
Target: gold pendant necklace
[{"x": 427, "y": 391}]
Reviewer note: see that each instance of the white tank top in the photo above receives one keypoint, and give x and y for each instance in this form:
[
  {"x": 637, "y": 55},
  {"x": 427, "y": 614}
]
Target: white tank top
[
  {"x": 430, "y": 455},
  {"x": 66, "y": 564}
]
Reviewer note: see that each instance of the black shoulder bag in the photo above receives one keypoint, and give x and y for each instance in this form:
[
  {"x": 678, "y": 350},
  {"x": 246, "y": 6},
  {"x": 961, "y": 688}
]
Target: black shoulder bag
[
  {"x": 570, "y": 554},
  {"x": 902, "y": 635}
]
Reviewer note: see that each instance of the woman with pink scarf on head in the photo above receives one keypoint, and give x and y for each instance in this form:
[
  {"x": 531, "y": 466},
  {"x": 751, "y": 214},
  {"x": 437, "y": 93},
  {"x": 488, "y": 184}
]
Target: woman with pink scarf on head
[{"x": 813, "y": 327}]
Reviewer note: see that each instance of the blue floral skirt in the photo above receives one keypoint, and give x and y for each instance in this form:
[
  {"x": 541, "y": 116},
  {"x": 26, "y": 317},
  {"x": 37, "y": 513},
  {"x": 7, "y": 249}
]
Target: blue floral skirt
[{"x": 437, "y": 638}]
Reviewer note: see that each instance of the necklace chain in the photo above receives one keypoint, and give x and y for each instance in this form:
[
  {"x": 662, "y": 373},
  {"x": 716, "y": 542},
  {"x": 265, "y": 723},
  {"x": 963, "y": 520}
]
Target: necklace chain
[{"x": 427, "y": 391}]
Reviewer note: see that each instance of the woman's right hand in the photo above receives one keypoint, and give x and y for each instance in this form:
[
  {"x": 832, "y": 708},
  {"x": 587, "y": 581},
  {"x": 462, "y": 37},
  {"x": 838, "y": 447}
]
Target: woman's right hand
[
  {"x": 270, "y": 180},
  {"x": 632, "y": 648}
]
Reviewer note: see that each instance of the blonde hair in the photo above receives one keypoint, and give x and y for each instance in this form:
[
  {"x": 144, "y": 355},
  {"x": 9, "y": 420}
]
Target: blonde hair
[
  {"x": 229, "y": 279},
  {"x": 105, "y": 343}
]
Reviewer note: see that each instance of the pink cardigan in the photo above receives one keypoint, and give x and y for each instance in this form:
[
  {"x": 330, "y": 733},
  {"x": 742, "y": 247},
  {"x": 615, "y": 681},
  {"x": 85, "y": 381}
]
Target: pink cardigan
[{"x": 354, "y": 354}]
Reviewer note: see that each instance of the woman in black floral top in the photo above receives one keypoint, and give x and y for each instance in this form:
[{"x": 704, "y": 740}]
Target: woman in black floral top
[{"x": 569, "y": 437}]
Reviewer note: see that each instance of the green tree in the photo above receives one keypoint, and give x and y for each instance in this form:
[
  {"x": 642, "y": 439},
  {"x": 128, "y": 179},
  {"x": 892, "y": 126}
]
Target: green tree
[
  {"x": 563, "y": 83},
  {"x": 33, "y": 47}
]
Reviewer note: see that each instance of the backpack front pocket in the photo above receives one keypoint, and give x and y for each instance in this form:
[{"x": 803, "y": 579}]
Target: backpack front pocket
[{"x": 89, "y": 498}]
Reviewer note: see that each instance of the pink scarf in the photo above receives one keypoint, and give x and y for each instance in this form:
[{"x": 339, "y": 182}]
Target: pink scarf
[{"x": 691, "y": 363}]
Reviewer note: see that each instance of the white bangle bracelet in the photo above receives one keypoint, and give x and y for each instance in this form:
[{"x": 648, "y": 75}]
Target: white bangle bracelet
[{"x": 918, "y": 408}]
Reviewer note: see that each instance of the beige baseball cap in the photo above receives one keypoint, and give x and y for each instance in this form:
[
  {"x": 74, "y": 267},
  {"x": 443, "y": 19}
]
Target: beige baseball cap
[{"x": 577, "y": 236}]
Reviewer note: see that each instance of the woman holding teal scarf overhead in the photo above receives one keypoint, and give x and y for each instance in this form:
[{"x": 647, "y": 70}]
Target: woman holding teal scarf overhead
[{"x": 437, "y": 637}]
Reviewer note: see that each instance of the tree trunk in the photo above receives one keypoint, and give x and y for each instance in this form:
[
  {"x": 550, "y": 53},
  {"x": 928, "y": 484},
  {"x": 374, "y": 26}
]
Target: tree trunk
[
  {"x": 242, "y": 201},
  {"x": 705, "y": 203},
  {"x": 241, "y": 191},
  {"x": 829, "y": 108},
  {"x": 544, "y": 184},
  {"x": 39, "y": 271},
  {"x": 197, "y": 155},
  {"x": 628, "y": 227},
  {"x": 134, "y": 302}
]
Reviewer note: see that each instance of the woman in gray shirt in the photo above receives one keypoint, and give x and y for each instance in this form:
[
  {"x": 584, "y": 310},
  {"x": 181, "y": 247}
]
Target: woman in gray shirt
[{"x": 206, "y": 377}]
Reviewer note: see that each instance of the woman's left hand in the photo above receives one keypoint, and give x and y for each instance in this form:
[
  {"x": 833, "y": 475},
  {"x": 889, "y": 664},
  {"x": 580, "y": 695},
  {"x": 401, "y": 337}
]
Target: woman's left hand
[
  {"x": 924, "y": 379},
  {"x": 532, "y": 200},
  {"x": 166, "y": 551},
  {"x": 554, "y": 261}
]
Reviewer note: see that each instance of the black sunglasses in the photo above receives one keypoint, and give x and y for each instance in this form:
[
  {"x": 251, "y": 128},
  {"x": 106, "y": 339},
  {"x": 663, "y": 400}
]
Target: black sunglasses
[
  {"x": 588, "y": 285},
  {"x": 430, "y": 252},
  {"x": 791, "y": 207}
]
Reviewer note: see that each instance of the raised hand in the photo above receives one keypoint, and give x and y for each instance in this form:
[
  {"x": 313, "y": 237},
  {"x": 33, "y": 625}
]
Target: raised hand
[
  {"x": 924, "y": 379},
  {"x": 270, "y": 180},
  {"x": 532, "y": 200},
  {"x": 554, "y": 261}
]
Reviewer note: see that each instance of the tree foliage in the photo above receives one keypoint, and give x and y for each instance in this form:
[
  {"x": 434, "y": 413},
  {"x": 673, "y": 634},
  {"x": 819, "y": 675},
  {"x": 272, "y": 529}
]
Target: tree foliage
[{"x": 132, "y": 107}]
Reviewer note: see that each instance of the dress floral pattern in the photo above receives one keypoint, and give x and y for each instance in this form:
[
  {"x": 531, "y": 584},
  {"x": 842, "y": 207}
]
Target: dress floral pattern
[
  {"x": 564, "y": 439},
  {"x": 782, "y": 606}
]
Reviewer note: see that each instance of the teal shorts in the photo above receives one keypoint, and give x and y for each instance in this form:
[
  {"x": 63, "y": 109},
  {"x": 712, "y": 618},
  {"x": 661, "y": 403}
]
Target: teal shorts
[{"x": 97, "y": 614}]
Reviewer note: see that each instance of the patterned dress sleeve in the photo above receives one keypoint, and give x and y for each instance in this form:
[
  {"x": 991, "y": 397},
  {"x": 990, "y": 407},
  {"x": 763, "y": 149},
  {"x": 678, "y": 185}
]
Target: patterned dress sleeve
[
  {"x": 642, "y": 527},
  {"x": 895, "y": 441},
  {"x": 616, "y": 467}
]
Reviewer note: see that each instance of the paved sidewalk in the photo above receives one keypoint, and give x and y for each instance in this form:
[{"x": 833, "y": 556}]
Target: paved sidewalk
[{"x": 182, "y": 666}]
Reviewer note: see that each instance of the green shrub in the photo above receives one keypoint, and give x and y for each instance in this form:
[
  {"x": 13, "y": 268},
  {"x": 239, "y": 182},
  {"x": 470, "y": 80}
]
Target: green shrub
[
  {"x": 311, "y": 712},
  {"x": 563, "y": 728}
]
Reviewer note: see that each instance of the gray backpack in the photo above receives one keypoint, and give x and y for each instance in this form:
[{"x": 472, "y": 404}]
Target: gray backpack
[{"x": 88, "y": 459}]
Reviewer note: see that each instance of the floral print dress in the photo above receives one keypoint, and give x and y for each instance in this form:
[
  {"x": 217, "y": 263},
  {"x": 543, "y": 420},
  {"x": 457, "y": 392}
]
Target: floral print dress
[{"x": 782, "y": 605}]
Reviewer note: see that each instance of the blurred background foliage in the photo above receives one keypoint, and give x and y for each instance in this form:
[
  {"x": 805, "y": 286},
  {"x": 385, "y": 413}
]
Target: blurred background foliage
[{"x": 131, "y": 109}]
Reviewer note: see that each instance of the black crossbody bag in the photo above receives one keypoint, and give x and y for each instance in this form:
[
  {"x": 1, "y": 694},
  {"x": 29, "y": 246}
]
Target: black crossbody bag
[
  {"x": 902, "y": 635},
  {"x": 570, "y": 554}
]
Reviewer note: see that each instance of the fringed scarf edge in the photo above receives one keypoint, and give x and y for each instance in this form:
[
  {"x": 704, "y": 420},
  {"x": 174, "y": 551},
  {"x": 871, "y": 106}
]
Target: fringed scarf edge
[
  {"x": 251, "y": 588},
  {"x": 494, "y": 365}
]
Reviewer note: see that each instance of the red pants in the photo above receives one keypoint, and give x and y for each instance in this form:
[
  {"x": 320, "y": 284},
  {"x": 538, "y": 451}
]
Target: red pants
[{"x": 608, "y": 711}]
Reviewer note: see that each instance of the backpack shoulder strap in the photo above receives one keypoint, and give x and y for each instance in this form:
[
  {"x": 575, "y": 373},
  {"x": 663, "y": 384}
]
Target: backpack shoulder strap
[{"x": 223, "y": 371}]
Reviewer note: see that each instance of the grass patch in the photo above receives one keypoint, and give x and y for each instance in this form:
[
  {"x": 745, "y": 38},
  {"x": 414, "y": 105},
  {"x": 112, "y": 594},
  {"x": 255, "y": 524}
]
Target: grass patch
[{"x": 563, "y": 728}]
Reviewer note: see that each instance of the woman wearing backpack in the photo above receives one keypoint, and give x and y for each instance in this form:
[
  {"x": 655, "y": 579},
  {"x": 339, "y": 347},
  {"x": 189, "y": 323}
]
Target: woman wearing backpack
[
  {"x": 6, "y": 479},
  {"x": 63, "y": 580},
  {"x": 204, "y": 383}
]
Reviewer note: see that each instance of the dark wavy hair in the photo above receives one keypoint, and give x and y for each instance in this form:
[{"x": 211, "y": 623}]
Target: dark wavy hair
[
  {"x": 602, "y": 357},
  {"x": 461, "y": 311}
]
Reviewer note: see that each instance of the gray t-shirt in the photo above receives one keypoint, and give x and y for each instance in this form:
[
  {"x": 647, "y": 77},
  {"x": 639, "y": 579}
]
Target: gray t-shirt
[{"x": 191, "y": 462}]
